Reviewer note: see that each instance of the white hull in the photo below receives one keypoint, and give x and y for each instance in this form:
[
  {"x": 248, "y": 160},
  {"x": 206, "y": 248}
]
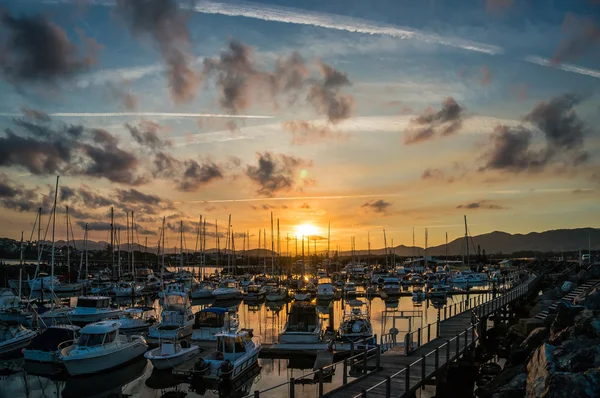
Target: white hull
[
  {"x": 276, "y": 297},
  {"x": 299, "y": 337},
  {"x": 227, "y": 296},
  {"x": 16, "y": 344},
  {"x": 99, "y": 360},
  {"x": 41, "y": 356},
  {"x": 202, "y": 294},
  {"x": 156, "y": 333},
  {"x": 161, "y": 362},
  {"x": 94, "y": 317},
  {"x": 206, "y": 334}
]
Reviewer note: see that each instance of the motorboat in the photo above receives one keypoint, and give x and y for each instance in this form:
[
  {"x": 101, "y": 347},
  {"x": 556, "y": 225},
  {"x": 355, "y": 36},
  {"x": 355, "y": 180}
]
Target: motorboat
[
  {"x": 176, "y": 321},
  {"x": 203, "y": 290},
  {"x": 321, "y": 274},
  {"x": 62, "y": 287},
  {"x": 255, "y": 293},
  {"x": 56, "y": 315},
  {"x": 303, "y": 325},
  {"x": 227, "y": 290},
  {"x": 137, "y": 319},
  {"x": 13, "y": 338},
  {"x": 17, "y": 315},
  {"x": 170, "y": 354},
  {"x": 212, "y": 320},
  {"x": 93, "y": 309},
  {"x": 100, "y": 347},
  {"x": 44, "y": 347},
  {"x": 174, "y": 288},
  {"x": 8, "y": 298},
  {"x": 127, "y": 289},
  {"x": 277, "y": 293},
  {"x": 41, "y": 282},
  {"x": 101, "y": 287},
  {"x": 468, "y": 277},
  {"x": 302, "y": 295},
  {"x": 418, "y": 295},
  {"x": 391, "y": 286},
  {"x": 356, "y": 323},
  {"x": 325, "y": 290},
  {"x": 350, "y": 289},
  {"x": 235, "y": 353},
  {"x": 378, "y": 277},
  {"x": 438, "y": 292}
]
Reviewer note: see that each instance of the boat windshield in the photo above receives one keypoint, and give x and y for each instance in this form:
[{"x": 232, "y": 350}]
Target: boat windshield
[
  {"x": 230, "y": 345},
  {"x": 90, "y": 340},
  {"x": 92, "y": 303},
  {"x": 228, "y": 284}
]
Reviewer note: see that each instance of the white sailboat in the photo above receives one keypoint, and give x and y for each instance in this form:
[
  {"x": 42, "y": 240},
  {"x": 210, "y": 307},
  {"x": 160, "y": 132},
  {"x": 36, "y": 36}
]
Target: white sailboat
[
  {"x": 170, "y": 354},
  {"x": 13, "y": 339},
  {"x": 303, "y": 325}
]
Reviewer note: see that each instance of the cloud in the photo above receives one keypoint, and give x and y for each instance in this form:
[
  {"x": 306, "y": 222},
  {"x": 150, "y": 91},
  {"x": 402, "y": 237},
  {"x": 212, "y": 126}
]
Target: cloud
[
  {"x": 436, "y": 174},
  {"x": 304, "y": 132},
  {"x": 275, "y": 173},
  {"x": 146, "y": 134},
  {"x": 16, "y": 197},
  {"x": 446, "y": 121},
  {"x": 127, "y": 99},
  {"x": 38, "y": 51},
  {"x": 486, "y": 76},
  {"x": 326, "y": 97},
  {"x": 582, "y": 35},
  {"x": 498, "y": 6},
  {"x": 199, "y": 174},
  {"x": 582, "y": 191},
  {"x": 67, "y": 193},
  {"x": 134, "y": 196},
  {"x": 99, "y": 225},
  {"x": 563, "y": 138},
  {"x": 169, "y": 115},
  {"x": 378, "y": 206},
  {"x": 305, "y": 206},
  {"x": 35, "y": 114},
  {"x": 482, "y": 204},
  {"x": 164, "y": 22}
]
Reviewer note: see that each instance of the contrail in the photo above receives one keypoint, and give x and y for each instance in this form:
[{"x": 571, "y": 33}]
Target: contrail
[
  {"x": 294, "y": 198},
  {"x": 565, "y": 67},
  {"x": 150, "y": 114}
]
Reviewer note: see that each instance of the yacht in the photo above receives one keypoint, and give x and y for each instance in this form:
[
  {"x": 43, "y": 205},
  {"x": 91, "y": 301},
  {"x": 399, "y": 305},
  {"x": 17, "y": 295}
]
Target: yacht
[
  {"x": 102, "y": 287},
  {"x": 356, "y": 323},
  {"x": 174, "y": 288},
  {"x": 100, "y": 347},
  {"x": 302, "y": 295},
  {"x": 8, "y": 298},
  {"x": 137, "y": 319},
  {"x": 44, "y": 347},
  {"x": 438, "y": 292},
  {"x": 255, "y": 293},
  {"x": 418, "y": 295},
  {"x": 170, "y": 354},
  {"x": 227, "y": 290},
  {"x": 391, "y": 286},
  {"x": 277, "y": 293},
  {"x": 41, "y": 282},
  {"x": 177, "y": 319},
  {"x": 13, "y": 338},
  {"x": 204, "y": 290},
  {"x": 235, "y": 353},
  {"x": 212, "y": 320},
  {"x": 127, "y": 289},
  {"x": 350, "y": 289},
  {"x": 62, "y": 287},
  {"x": 378, "y": 277},
  {"x": 93, "y": 309},
  {"x": 325, "y": 290},
  {"x": 303, "y": 325}
]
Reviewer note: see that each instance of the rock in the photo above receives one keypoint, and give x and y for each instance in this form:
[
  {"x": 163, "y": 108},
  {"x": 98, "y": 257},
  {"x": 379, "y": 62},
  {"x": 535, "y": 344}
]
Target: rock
[
  {"x": 541, "y": 305},
  {"x": 514, "y": 388},
  {"x": 490, "y": 369},
  {"x": 499, "y": 381},
  {"x": 557, "y": 338},
  {"x": 535, "y": 338},
  {"x": 571, "y": 385},
  {"x": 540, "y": 369},
  {"x": 527, "y": 325},
  {"x": 518, "y": 356},
  {"x": 565, "y": 316},
  {"x": 552, "y": 294},
  {"x": 587, "y": 323},
  {"x": 578, "y": 355},
  {"x": 592, "y": 301},
  {"x": 582, "y": 276}
]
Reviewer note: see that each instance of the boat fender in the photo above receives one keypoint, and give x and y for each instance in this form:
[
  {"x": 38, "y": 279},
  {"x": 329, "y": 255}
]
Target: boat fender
[
  {"x": 201, "y": 365},
  {"x": 219, "y": 356},
  {"x": 226, "y": 368}
]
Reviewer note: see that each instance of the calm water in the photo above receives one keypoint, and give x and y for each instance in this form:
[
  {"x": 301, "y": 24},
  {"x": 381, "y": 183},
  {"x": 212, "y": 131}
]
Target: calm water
[{"x": 267, "y": 320}]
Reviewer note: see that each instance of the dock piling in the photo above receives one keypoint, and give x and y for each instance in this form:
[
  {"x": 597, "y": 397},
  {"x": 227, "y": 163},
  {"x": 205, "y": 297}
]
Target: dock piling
[
  {"x": 292, "y": 387},
  {"x": 345, "y": 375}
]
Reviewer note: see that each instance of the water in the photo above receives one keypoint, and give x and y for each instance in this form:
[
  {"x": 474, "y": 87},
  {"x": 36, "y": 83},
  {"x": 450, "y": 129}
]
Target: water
[{"x": 266, "y": 319}]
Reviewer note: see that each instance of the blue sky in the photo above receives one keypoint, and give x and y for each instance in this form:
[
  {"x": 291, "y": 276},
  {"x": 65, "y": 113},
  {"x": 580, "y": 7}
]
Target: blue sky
[{"x": 499, "y": 61}]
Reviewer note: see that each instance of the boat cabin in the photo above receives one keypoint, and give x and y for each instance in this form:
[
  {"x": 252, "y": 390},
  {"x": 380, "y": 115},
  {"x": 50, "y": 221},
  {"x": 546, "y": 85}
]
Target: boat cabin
[
  {"x": 53, "y": 336},
  {"x": 91, "y": 302},
  {"x": 254, "y": 289},
  {"x": 302, "y": 318},
  {"x": 212, "y": 317},
  {"x": 229, "y": 284},
  {"x": 233, "y": 345},
  {"x": 99, "y": 333}
]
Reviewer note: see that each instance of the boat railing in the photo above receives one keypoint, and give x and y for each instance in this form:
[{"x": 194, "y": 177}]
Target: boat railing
[
  {"x": 66, "y": 344},
  {"x": 356, "y": 366}
]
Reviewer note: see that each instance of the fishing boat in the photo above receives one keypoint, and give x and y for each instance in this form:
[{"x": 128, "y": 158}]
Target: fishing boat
[
  {"x": 137, "y": 320},
  {"x": 438, "y": 292},
  {"x": 100, "y": 347},
  {"x": 255, "y": 293},
  {"x": 93, "y": 309},
  {"x": 356, "y": 323},
  {"x": 203, "y": 290},
  {"x": 13, "y": 338},
  {"x": 170, "y": 354},
  {"x": 227, "y": 290},
  {"x": 234, "y": 354},
  {"x": 41, "y": 282},
  {"x": 418, "y": 295},
  {"x": 56, "y": 315},
  {"x": 101, "y": 287},
  {"x": 277, "y": 293},
  {"x": 176, "y": 321},
  {"x": 210, "y": 321},
  {"x": 127, "y": 289},
  {"x": 391, "y": 286},
  {"x": 303, "y": 324},
  {"x": 44, "y": 347},
  {"x": 15, "y": 315}
]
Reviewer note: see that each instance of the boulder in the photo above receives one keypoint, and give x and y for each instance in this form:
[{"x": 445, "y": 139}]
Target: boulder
[
  {"x": 587, "y": 323},
  {"x": 552, "y": 294},
  {"x": 565, "y": 316},
  {"x": 578, "y": 355},
  {"x": 592, "y": 300},
  {"x": 557, "y": 338},
  {"x": 527, "y": 325},
  {"x": 514, "y": 388},
  {"x": 540, "y": 368},
  {"x": 535, "y": 338},
  {"x": 571, "y": 385},
  {"x": 582, "y": 276},
  {"x": 504, "y": 378},
  {"x": 517, "y": 356}
]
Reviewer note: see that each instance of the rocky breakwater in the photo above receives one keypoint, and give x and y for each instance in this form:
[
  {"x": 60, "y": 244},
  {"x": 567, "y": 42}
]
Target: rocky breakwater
[{"x": 560, "y": 358}]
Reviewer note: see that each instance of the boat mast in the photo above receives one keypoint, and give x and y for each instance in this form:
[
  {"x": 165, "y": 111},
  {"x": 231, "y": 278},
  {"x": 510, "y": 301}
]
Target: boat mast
[
  {"x": 446, "y": 248},
  {"x": 265, "y": 249},
  {"x": 369, "y": 248},
  {"x": 21, "y": 267},
  {"x": 53, "y": 231},
  {"x": 425, "y": 256},
  {"x": 217, "y": 242},
  {"x": 119, "y": 251},
  {"x": 39, "y": 242},
  {"x": 328, "y": 239},
  {"x": 132, "y": 248},
  {"x": 127, "y": 235},
  {"x": 228, "y": 245},
  {"x": 272, "y": 248},
  {"x": 467, "y": 242},
  {"x": 85, "y": 248},
  {"x": 386, "y": 250},
  {"x": 204, "y": 249},
  {"x": 162, "y": 268},
  {"x": 112, "y": 239},
  {"x": 278, "y": 248},
  {"x": 68, "y": 248}
]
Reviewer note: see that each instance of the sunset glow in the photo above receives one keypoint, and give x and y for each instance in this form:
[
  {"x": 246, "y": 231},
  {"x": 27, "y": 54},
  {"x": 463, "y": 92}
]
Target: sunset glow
[{"x": 305, "y": 230}]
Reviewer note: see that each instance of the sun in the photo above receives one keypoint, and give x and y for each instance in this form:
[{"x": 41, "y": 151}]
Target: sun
[{"x": 306, "y": 230}]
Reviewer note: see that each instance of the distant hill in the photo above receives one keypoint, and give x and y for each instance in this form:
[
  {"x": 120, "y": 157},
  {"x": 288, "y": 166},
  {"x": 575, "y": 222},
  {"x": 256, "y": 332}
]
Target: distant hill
[{"x": 493, "y": 243}]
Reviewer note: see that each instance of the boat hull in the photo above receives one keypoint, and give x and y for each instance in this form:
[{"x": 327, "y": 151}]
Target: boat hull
[
  {"x": 14, "y": 346},
  {"x": 94, "y": 317},
  {"x": 227, "y": 296},
  {"x": 157, "y": 333},
  {"x": 202, "y": 294},
  {"x": 170, "y": 361},
  {"x": 299, "y": 338},
  {"x": 80, "y": 365}
]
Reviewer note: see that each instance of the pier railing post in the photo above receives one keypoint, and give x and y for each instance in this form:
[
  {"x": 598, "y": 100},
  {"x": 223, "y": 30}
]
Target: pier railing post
[
  {"x": 352, "y": 348},
  {"x": 320, "y": 382},
  {"x": 378, "y": 353},
  {"x": 345, "y": 375},
  {"x": 445, "y": 313},
  {"x": 406, "y": 343},
  {"x": 466, "y": 340},
  {"x": 292, "y": 387},
  {"x": 388, "y": 387},
  {"x": 419, "y": 337},
  {"x": 407, "y": 380},
  {"x": 363, "y": 393},
  {"x": 366, "y": 355},
  {"x": 428, "y": 332},
  {"x": 457, "y": 345},
  {"x": 448, "y": 352},
  {"x": 437, "y": 331},
  {"x": 423, "y": 359},
  {"x": 437, "y": 359},
  {"x": 256, "y": 394}
]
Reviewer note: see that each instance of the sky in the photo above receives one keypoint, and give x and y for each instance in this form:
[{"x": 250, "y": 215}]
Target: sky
[{"x": 389, "y": 115}]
